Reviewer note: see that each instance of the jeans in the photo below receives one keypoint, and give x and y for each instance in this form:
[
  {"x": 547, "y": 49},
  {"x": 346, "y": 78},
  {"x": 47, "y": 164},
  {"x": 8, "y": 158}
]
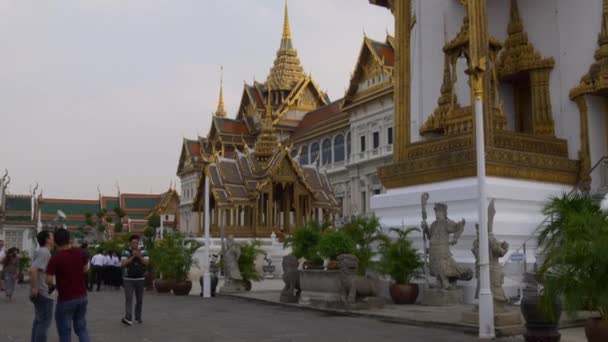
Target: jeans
[
  {"x": 131, "y": 286},
  {"x": 68, "y": 312},
  {"x": 42, "y": 318}
]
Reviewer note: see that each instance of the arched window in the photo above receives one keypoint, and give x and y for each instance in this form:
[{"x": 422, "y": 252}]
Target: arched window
[
  {"x": 348, "y": 146},
  {"x": 326, "y": 151},
  {"x": 339, "y": 148},
  {"x": 304, "y": 155},
  {"x": 314, "y": 152}
]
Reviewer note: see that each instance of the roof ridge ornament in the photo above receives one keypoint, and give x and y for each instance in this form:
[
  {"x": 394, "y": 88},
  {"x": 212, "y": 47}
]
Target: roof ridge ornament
[{"x": 221, "y": 111}]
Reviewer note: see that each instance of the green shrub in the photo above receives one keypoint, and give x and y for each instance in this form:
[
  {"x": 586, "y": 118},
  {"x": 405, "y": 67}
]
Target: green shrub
[
  {"x": 334, "y": 243},
  {"x": 364, "y": 232},
  {"x": 399, "y": 258},
  {"x": 249, "y": 254},
  {"x": 575, "y": 266}
]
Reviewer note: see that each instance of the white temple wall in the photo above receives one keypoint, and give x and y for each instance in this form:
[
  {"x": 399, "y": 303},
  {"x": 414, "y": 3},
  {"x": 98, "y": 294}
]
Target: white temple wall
[{"x": 579, "y": 26}]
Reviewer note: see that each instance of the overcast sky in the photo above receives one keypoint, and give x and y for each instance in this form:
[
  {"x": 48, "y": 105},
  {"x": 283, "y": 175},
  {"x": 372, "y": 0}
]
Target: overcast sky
[{"x": 99, "y": 91}]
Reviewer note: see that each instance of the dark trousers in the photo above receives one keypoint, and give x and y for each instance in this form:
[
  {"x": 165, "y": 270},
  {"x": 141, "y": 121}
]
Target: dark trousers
[
  {"x": 42, "y": 319},
  {"x": 137, "y": 287},
  {"x": 72, "y": 312},
  {"x": 97, "y": 276}
]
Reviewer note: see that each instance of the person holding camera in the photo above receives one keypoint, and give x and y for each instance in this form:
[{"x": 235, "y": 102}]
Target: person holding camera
[
  {"x": 40, "y": 294},
  {"x": 133, "y": 262}
]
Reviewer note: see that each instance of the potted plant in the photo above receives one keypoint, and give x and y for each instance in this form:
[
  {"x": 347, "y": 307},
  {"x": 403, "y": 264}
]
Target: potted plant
[
  {"x": 575, "y": 265},
  {"x": 366, "y": 232},
  {"x": 335, "y": 243},
  {"x": 24, "y": 265},
  {"x": 400, "y": 260},
  {"x": 249, "y": 254},
  {"x": 163, "y": 257},
  {"x": 305, "y": 243},
  {"x": 148, "y": 240},
  {"x": 183, "y": 264}
]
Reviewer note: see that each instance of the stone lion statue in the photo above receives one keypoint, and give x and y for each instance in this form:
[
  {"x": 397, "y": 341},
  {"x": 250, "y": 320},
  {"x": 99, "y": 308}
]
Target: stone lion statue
[
  {"x": 291, "y": 277},
  {"x": 353, "y": 286}
]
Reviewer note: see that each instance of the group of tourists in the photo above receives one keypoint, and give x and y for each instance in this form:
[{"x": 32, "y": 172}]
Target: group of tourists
[
  {"x": 9, "y": 270},
  {"x": 105, "y": 269},
  {"x": 65, "y": 271}
]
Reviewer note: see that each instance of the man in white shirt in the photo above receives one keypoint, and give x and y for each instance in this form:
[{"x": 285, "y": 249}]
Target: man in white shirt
[
  {"x": 107, "y": 268},
  {"x": 2, "y": 256},
  {"x": 97, "y": 267}
]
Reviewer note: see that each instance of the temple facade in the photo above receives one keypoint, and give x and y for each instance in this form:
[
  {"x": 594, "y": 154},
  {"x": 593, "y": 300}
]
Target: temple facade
[
  {"x": 352, "y": 137},
  {"x": 23, "y": 215},
  {"x": 259, "y": 185},
  {"x": 541, "y": 69}
]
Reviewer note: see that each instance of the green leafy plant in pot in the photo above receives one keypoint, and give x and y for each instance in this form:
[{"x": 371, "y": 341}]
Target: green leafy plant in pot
[
  {"x": 163, "y": 256},
  {"x": 365, "y": 232},
  {"x": 249, "y": 254},
  {"x": 183, "y": 264},
  {"x": 575, "y": 266},
  {"x": 334, "y": 243},
  {"x": 400, "y": 260},
  {"x": 305, "y": 244}
]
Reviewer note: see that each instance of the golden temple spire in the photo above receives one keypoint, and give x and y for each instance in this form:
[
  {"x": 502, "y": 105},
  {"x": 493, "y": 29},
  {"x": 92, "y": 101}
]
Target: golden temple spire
[
  {"x": 221, "y": 112},
  {"x": 286, "y": 38},
  {"x": 286, "y": 70},
  {"x": 515, "y": 23}
]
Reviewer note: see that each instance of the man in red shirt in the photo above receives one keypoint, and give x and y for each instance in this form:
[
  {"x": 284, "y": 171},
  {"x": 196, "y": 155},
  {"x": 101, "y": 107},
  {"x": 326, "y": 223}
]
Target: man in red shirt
[{"x": 68, "y": 266}]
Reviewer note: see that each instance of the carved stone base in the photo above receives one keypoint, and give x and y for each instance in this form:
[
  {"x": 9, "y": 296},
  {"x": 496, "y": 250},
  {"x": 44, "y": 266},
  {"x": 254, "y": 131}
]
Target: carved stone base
[
  {"x": 508, "y": 323},
  {"x": 233, "y": 286},
  {"x": 441, "y": 297}
]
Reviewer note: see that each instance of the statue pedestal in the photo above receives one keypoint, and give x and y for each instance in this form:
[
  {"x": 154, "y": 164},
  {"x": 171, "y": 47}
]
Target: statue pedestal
[
  {"x": 441, "y": 297},
  {"x": 233, "y": 286},
  {"x": 508, "y": 323}
]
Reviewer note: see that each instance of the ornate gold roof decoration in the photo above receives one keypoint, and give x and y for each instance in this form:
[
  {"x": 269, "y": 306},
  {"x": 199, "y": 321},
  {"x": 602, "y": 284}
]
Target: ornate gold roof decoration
[
  {"x": 596, "y": 80},
  {"x": 287, "y": 69},
  {"x": 447, "y": 103},
  {"x": 519, "y": 54},
  {"x": 520, "y": 63},
  {"x": 452, "y": 119},
  {"x": 267, "y": 140},
  {"x": 221, "y": 112}
]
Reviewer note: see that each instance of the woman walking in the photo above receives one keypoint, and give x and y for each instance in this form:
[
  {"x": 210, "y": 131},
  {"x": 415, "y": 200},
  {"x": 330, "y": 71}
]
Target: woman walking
[{"x": 10, "y": 271}]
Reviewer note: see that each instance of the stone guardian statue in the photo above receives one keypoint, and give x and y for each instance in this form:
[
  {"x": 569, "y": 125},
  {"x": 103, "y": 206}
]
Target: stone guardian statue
[
  {"x": 442, "y": 234},
  {"x": 233, "y": 279},
  {"x": 497, "y": 250}
]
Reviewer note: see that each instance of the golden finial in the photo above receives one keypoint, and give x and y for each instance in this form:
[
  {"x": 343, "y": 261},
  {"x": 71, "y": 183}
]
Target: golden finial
[
  {"x": 221, "y": 112},
  {"x": 286, "y": 37},
  {"x": 515, "y": 24}
]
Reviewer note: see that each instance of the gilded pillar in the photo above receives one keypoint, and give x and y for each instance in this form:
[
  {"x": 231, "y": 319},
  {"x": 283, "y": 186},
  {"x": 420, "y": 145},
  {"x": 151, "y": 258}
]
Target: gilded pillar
[
  {"x": 479, "y": 68},
  {"x": 402, "y": 11},
  {"x": 541, "y": 102},
  {"x": 584, "y": 153}
]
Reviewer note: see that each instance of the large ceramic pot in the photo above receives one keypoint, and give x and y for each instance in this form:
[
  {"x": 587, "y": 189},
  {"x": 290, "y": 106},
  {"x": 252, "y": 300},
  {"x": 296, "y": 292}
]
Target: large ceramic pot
[
  {"x": 539, "y": 328},
  {"x": 149, "y": 280},
  {"x": 332, "y": 265},
  {"x": 404, "y": 293},
  {"x": 308, "y": 265},
  {"x": 596, "y": 330},
  {"x": 182, "y": 288},
  {"x": 164, "y": 285}
]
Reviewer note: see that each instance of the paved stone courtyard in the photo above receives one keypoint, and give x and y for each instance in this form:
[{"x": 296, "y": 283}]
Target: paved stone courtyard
[{"x": 176, "y": 319}]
